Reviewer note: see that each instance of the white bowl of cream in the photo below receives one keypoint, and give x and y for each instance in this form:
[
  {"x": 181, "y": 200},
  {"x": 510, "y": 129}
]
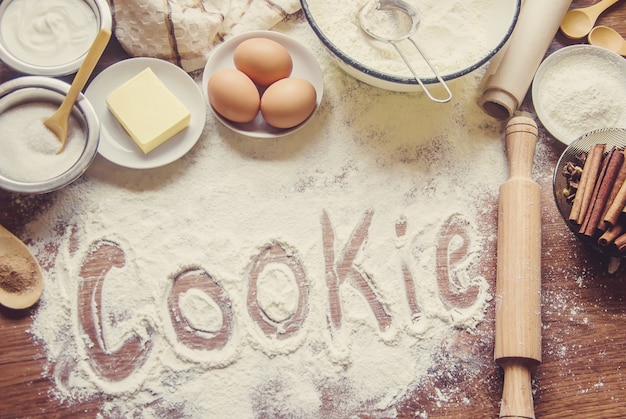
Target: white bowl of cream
[{"x": 50, "y": 38}]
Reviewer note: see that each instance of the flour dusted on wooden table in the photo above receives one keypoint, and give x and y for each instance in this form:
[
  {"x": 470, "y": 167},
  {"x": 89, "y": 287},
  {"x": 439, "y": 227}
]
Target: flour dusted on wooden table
[{"x": 293, "y": 277}]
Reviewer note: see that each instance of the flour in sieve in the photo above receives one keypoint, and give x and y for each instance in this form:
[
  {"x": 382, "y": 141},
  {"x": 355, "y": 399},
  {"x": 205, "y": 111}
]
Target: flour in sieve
[
  {"x": 452, "y": 34},
  {"x": 392, "y": 165}
]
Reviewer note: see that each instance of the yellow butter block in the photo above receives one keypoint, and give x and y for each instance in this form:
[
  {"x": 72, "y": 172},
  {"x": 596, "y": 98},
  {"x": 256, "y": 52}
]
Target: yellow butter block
[{"x": 148, "y": 110}]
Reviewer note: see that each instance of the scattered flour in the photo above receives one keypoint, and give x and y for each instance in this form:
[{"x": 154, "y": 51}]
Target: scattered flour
[{"x": 252, "y": 239}]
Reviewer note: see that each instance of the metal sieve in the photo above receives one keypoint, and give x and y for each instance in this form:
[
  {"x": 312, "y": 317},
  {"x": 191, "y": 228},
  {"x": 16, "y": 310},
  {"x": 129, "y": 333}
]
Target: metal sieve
[
  {"x": 609, "y": 136},
  {"x": 393, "y": 21}
]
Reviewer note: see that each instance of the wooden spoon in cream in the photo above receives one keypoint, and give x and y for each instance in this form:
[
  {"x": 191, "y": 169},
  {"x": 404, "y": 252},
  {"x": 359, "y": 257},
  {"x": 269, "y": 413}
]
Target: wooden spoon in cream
[{"x": 21, "y": 280}]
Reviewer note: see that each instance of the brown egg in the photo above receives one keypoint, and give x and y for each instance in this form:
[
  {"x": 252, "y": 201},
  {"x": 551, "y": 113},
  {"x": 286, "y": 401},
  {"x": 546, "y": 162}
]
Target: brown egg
[
  {"x": 288, "y": 102},
  {"x": 263, "y": 60},
  {"x": 233, "y": 95}
]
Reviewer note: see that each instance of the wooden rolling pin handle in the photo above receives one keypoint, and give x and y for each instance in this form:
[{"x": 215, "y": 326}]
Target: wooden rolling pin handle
[
  {"x": 521, "y": 139},
  {"x": 517, "y": 396}
]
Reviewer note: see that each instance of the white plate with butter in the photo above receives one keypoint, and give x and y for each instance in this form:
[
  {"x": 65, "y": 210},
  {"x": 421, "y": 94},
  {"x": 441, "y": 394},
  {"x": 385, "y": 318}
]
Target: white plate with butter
[{"x": 115, "y": 143}]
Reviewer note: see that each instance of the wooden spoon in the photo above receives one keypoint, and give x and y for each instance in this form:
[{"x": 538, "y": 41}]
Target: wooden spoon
[
  {"x": 577, "y": 23},
  {"x": 608, "y": 38},
  {"x": 21, "y": 281},
  {"x": 57, "y": 123}
]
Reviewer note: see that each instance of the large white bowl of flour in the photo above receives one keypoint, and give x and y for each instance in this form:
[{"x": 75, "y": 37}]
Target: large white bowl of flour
[{"x": 457, "y": 37}]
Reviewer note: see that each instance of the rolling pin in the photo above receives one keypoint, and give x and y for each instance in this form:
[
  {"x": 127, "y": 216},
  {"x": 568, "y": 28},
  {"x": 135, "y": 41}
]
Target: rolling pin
[
  {"x": 511, "y": 72},
  {"x": 518, "y": 272}
]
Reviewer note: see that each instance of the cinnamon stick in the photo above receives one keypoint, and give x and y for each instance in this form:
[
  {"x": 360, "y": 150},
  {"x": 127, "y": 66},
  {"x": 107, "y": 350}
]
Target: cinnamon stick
[
  {"x": 594, "y": 194},
  {"x": 619, "y": 180},
  {"x": 602, "y": 189},
  {"x": 616, "y": 207},
  {"x": 610, "y": 235},
  {"x": 587, "y": 183},
  {"x": 620, "y": 242}
]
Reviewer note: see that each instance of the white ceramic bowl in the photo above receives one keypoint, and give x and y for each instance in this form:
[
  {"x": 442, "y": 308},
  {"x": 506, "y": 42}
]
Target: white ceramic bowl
[
  {"x": 305, "y": 66},
  {"x": 33, "y": 63},
  {"x": 463, "y": 49},
  {"x": 40, "y": 89},
  {"x": 573, "y": 88}
]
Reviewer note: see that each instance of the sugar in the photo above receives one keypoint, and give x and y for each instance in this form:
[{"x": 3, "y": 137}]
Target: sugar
[{"x": 28, "y": 150}]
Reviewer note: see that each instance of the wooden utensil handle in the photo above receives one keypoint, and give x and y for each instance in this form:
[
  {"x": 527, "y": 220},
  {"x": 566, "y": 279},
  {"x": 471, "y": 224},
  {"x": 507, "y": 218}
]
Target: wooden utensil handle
[
  {"x": 517, "y": 395},
  {"x": 87, "y": 66},
  {"x": 521, "y": 140},
  {"x": 518, "y": 282},
  {"x": 599, "y": 7}
]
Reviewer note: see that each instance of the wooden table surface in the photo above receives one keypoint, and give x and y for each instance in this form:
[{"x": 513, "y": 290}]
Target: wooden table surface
[{"x": 584, "y": 317}]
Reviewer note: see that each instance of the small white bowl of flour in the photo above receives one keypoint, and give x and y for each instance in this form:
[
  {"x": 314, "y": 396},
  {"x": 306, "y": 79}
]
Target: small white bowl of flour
[{"x": 579, "y": 89}]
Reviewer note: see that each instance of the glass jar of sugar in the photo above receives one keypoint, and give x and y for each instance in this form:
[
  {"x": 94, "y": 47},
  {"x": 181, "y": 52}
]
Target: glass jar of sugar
[{"x": 29, "y": 162}]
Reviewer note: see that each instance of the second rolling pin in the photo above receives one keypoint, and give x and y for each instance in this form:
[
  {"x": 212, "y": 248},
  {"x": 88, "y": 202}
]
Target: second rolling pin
[
  {"x": 510, "y": 73},
  {"x": 518, "y": 273}
]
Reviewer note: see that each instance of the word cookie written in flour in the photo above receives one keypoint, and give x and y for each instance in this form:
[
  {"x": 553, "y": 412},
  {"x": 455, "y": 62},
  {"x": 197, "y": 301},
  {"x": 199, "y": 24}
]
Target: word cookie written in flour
[{"x": 205, "y": 326}]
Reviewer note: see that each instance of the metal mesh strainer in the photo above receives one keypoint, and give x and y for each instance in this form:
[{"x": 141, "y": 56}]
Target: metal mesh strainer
[
  {"x": 609, "y": 136},
  {"x": 393, "y": 21}
]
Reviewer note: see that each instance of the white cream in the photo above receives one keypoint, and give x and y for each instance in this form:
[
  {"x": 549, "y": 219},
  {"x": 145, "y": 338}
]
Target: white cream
[{"x": 48, "y": 33}]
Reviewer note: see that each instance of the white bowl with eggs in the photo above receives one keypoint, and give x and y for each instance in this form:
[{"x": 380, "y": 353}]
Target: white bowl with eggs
[
  {"x": 457, "y": 37},
  {"x": 52, "y": 37},
  {"x": 30, "y": 161},
  {"x": 301, "y": 90}
]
